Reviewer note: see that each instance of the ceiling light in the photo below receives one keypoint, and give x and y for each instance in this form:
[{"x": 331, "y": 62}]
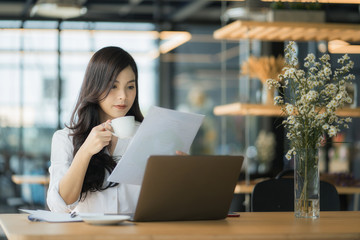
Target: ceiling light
[{"x": 62, "y": 9}]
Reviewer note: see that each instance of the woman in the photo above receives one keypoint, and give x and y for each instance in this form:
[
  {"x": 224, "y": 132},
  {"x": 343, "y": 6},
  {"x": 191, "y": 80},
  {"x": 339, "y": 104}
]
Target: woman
[{"x": 84, "y": 153}]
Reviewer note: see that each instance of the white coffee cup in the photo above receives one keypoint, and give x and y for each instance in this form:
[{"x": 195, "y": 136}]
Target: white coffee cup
[{"x": 123, "y": 127}]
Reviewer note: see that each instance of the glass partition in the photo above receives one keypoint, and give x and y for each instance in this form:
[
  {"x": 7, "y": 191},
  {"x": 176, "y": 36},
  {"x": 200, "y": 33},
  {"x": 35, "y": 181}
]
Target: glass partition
[{"x": 42, "y": 65}]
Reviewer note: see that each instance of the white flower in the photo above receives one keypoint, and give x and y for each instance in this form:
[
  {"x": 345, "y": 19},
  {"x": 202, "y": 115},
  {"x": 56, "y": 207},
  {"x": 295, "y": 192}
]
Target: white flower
[
  {"x": 321, "y": 116},
  {"x": 327, "y": 71},
  {"x": 278, "y": 100},
  {"x": 289, "y": 135},
  {"x": 351, "y": 77},
  {"x": 332, "y": 104},
  {"x": 290, "y": 109},
  {"x": 291, "y": 120},
  {"x": 339, "y": 96},
  {"x": 312, "y": 95},
  {"x": 290, "y": 153},
  {"x": 332, "y": 131},
  {"x": 273, "y": 83},
  {"x": 313, "y": 69},
  {"x": 325, "y": 58},
  {"x": 289, "y": 73},
  {"x": 310, "y": 57}
]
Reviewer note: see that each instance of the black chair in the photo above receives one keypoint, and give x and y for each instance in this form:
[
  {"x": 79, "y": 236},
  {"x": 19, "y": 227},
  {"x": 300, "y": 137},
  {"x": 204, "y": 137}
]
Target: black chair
[{"x": 277, "y": 195}]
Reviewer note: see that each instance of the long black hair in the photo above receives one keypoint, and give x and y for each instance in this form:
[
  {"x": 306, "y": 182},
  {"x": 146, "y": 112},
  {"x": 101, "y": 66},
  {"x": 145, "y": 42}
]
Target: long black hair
[{"x": 101, "y": 73}]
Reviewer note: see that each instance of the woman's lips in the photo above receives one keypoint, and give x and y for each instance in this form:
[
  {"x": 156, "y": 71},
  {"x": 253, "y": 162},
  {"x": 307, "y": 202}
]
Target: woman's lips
[{"x": 121, "y": 107}]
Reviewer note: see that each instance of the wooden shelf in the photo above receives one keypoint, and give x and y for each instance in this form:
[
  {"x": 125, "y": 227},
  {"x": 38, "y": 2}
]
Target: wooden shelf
[
  {"x": 349, "y": 112},
  {"x": 286, "y": 31},
  {"x": 268, "y": 110},
  {"x": 247, "y": 109}
]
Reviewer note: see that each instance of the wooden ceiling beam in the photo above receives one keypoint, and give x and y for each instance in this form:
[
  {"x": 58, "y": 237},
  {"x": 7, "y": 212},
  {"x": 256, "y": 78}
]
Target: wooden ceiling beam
[{"x": 282, "y": 31}]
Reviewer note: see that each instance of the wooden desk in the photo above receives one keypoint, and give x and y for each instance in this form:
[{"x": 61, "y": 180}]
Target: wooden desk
[
  {"x": 242, "y": 188},
  {"x": 250, "y": 225},
  {"x": 30, "y": 179},
  {"x": 33, "y": 179}
]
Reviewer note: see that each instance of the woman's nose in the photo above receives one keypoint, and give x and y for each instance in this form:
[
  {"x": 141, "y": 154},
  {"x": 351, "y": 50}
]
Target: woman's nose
[{"x": 121, "y": 94}]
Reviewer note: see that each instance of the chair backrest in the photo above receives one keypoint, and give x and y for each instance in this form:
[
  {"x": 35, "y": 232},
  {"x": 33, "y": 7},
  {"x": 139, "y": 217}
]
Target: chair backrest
[
  {"x": 277, "y": 195},
  {"x": 329, "y": 197},
  {"x": 273, "y": 195}
]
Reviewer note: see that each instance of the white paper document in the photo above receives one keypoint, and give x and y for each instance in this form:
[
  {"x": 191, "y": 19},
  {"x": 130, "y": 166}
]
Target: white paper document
[
  {"x": 162, "y": 132},
  {"x": 47, "y": 216}
]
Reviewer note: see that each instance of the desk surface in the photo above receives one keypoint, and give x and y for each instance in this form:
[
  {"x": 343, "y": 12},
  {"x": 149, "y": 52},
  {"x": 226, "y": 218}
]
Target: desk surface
[{"x": 250, "y": 225}]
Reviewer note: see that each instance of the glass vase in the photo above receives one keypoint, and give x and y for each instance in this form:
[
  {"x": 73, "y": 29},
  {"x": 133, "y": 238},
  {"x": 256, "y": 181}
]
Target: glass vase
[{"x": 307, "y": 183}]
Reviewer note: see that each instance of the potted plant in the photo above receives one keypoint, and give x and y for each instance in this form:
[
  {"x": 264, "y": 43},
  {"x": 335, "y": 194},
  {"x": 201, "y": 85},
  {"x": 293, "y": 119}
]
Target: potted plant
[
  {"x": 296, "y": 12},
  {"x": 309, "y": 101}
]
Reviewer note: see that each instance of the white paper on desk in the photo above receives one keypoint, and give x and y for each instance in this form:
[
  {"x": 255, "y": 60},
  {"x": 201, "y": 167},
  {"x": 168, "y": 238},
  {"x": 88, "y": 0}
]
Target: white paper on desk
[
  {"x": 162, "y": 132},
  {"x": 48, "y": 216}
]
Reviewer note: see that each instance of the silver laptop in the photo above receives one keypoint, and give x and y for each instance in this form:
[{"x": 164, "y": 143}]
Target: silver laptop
[{"x": 179, "y": 188}]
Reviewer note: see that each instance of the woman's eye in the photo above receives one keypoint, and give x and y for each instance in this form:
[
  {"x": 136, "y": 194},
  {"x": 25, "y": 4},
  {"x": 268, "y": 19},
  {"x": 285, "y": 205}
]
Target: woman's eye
[
  {"x": 131, "y": 87},
  {"x": 114, "y": 86}
]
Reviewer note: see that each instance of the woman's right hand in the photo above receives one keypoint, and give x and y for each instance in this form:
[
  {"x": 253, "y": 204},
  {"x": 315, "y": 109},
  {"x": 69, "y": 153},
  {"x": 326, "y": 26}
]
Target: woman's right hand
[{"x": 98, "y": 138}]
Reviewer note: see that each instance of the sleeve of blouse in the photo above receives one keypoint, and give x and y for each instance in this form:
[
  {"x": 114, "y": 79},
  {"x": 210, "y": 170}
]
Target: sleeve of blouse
[{"x": 60, "y": 160}]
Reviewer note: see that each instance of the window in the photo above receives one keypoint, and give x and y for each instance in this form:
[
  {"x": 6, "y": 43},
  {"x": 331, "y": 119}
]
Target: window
[{"x": 31, "y": 61}]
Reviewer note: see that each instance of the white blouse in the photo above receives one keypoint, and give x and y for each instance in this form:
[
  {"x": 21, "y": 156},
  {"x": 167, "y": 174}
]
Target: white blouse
[{"x": 120, "y": 199}]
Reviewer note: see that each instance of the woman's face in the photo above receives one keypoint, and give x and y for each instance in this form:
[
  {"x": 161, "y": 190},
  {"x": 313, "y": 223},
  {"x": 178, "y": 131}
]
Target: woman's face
[{"x": 121, "y": 96}]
